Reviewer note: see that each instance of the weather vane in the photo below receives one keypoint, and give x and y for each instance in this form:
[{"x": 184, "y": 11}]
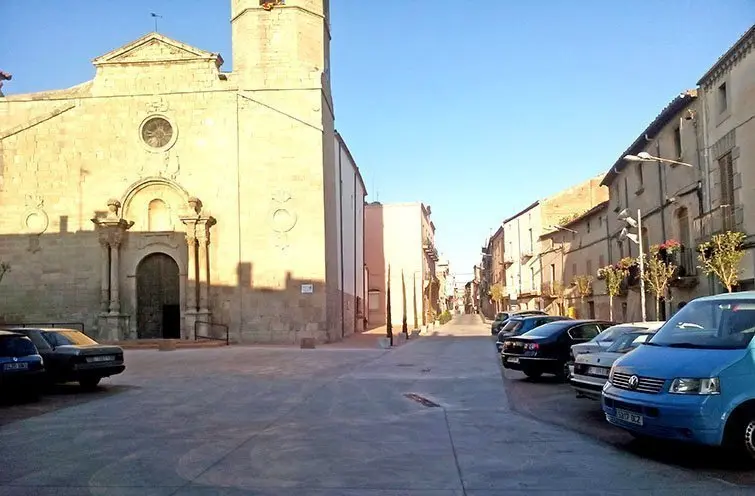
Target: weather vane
[{"x": 155, "y": 16}]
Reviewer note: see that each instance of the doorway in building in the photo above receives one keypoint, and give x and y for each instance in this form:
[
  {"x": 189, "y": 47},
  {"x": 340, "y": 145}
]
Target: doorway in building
[{"x": 157, "y": 298}]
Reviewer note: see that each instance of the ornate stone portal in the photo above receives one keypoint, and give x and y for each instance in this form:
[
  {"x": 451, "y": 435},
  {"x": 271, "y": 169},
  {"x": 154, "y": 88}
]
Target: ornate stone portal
[
  {"x": 196, "y": 312},
  {"x": 111, "y": 230}
]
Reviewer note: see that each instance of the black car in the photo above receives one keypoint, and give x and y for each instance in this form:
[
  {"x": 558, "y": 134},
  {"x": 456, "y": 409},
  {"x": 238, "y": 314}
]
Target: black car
[
  {"x": 519, "y": 324},
  {"x": 72, "y": 356},
  {"x": 545, "y": 349},
  {"x": 21, "y": 366},
  {"x": 503, "y": 317}
]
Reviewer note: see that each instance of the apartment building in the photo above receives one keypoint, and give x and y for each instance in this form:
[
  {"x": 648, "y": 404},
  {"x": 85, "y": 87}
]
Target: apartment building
[
  {"x": 493, "y": 273},
  {"x": 727, "y": 123},
  {"x": 522, "y": 232},
  {"x": 667, "y": 196},
  {"x": 576, "y": 248},
  {"x": 401, "y": 237}
]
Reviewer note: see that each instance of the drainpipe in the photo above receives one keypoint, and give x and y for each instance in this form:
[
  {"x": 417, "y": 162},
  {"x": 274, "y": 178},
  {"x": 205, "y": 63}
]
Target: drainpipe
[
  {"x": 661, "y": 190},
  {"x": 340, "y": 228},
  {"x": 608, "y": 242},
  {"x": 700, "y": 172}
]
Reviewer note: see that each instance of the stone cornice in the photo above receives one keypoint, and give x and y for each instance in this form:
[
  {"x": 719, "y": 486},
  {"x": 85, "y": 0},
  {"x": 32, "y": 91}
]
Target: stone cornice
[
  {"x": 728, "y": 60},
  {"x": 36, "y": 120}
]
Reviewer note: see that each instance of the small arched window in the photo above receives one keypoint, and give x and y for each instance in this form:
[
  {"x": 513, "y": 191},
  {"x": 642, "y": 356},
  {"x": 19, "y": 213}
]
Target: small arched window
[{"x": 159, "y": 216}]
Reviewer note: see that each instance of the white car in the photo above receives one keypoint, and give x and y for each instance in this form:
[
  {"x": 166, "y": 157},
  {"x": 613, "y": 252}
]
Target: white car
[
  {"x": 602, "y": 341},
  {"x": 590, "y": 370}
]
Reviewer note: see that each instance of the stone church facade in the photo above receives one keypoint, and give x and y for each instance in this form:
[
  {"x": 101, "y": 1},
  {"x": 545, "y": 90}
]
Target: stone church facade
[{"x": 165, "y": 194}]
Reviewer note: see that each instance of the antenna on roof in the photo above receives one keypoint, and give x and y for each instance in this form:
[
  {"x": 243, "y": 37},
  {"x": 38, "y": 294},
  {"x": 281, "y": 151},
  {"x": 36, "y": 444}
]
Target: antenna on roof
[{"x": 155, "y": 16}]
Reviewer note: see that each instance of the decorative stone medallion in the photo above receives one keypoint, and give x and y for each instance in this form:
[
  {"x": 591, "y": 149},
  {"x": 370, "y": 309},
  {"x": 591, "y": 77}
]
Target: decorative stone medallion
[
  {"x": 157, "y": 133},
  {"x": 35, "y": 219},
  {"x": 282, "y": 218}
]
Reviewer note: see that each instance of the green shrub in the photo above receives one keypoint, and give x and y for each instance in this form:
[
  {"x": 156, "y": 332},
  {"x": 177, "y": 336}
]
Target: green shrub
[{"x": 445, "y": 317}]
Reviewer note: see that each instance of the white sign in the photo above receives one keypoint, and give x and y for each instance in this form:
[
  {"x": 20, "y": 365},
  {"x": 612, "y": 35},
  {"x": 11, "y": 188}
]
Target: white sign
[{"x": 307, "y": 289}]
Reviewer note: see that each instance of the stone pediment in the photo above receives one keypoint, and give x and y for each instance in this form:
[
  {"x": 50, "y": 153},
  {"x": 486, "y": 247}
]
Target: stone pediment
[{"x": 154, "y": 48}]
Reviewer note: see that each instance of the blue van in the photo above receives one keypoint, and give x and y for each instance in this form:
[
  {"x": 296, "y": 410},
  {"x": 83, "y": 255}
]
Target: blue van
[{"x": 694, "y": 380}]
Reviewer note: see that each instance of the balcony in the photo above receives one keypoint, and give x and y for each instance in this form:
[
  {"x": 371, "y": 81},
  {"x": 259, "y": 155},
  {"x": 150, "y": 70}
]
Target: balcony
[
  {"x": 526, "y": 254},
  {"x": 430, "y": 251},
  {"x": 716, "y": 221},
  {"x": 686, "y": 273},
  {"x": 551, "y": 289},
  {"x": 508, "y": 260}
]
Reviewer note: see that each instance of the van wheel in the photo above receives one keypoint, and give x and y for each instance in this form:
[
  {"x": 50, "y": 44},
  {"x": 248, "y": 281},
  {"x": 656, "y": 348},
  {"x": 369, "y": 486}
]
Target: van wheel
[{"x": 740, "y": 435}]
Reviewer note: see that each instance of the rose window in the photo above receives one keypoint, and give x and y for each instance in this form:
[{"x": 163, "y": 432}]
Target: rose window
[{"x": 157, "y": 132}]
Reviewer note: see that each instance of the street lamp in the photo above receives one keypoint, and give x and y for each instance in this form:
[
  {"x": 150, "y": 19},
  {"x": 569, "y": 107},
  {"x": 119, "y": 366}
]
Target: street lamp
[
  {"x": 636, "y": 239},
  {"x": 646, "y": 157}
]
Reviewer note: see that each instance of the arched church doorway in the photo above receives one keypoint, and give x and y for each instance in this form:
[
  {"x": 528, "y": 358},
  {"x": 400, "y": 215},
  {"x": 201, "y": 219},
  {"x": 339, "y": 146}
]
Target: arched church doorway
[{"x": 157, "y": 298}]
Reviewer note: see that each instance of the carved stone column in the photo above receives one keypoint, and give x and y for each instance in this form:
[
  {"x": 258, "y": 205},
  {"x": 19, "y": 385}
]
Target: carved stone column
[
  {"x": 203, "y": 265},
  {"x": 191, "y": 274},
  {"x": 112, "y": 228},
  {"x": 105, "y": 275},
  {"x": 115, "y": 251}
]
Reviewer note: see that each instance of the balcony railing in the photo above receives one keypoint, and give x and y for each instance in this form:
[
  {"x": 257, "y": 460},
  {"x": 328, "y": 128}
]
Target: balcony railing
[
  {"x": 551, "y": 289},
  {"x": 687, "y": 260},
  {"x": 716, "y": 221},
  {"x": 430, "y": 251}
]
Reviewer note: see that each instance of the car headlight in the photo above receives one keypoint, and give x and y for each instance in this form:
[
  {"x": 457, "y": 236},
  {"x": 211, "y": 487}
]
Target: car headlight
[
  {"x": 686, "y": 385},
  {"x": 610, "y": 375}
]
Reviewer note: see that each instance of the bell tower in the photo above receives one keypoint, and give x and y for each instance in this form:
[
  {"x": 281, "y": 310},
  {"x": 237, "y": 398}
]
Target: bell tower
[{"x": 281, "y": 44}]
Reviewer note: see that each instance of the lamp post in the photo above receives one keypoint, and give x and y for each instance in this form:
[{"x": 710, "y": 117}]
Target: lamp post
[{"x": 636, "y": 239}]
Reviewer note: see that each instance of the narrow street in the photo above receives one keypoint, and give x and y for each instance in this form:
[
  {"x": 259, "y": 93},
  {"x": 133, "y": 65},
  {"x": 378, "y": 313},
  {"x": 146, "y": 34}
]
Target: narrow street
[{"x": 329, "y": 421}]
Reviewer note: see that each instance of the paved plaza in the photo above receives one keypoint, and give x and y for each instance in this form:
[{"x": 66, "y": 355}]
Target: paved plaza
[{"x": 334, "y": 421}]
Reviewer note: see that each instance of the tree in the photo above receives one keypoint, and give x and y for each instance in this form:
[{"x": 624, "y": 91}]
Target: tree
[
  {"x": 497, "y": 295},
  {"x": 721, "y": 257},
  {"x": 4, "y": 268},
  {"x": 658, "y": 274},
  {"x": 614, "y": 276},
  {"x": 583, "y": 284},
  {"x": 404, "y": 328},
  {"x": 388, "y": 316}
]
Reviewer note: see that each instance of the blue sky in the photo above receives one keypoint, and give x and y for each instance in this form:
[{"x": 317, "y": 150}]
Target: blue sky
[{"x": 476, "y": 108}]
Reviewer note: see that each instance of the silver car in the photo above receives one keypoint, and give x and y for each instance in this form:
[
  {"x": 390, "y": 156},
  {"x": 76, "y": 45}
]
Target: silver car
[
  {"x": 590, "y": 371},
  {"x": 602, "y": 341}
]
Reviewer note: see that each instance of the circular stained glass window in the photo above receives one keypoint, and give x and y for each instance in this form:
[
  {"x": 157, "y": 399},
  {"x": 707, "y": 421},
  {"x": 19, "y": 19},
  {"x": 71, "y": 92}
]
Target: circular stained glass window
[{"x": 157, "y": 132}]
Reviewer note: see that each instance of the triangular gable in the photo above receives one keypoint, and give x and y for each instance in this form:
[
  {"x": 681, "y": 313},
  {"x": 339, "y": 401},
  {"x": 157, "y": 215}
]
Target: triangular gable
[{"x": 155, "y": 47}]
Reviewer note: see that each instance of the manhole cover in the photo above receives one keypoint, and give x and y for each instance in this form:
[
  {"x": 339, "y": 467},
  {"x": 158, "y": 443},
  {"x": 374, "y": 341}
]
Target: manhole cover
[{"x": 422, "y": 400}]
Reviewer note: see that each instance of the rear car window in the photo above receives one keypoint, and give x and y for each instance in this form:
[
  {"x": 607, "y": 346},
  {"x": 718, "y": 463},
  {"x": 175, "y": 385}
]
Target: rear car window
[
  {"x": 512, "y": 325},
  {"x": 16, "y": 346}
]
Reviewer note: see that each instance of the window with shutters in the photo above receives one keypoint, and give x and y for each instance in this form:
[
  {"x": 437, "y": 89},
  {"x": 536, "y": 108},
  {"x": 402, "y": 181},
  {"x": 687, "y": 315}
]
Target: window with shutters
[
  {"x": 726, "y": 169},
  {"x": 589, "y": 267},
  {"x": 601, "y": 261}
]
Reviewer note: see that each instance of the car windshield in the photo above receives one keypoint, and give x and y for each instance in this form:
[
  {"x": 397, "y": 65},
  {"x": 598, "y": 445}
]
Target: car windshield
[
  {"x": 548, "y": 330},
  {"x": 66, "y": 338},
  {"x": 628, "y": 341},
  {"x": 512, "y": 325},
  {"x": 16, "y": 346},
  {"x": 709, "y": 324},
  {"x": 614, "y": 332}
]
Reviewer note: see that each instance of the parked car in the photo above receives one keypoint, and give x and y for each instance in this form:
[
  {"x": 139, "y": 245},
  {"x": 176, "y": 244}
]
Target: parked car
[
  {"x": 21, "y": 365},
  {"x": 591, "y": 370},
  {"x": 518, "y": 325},
  {"x": 72, "y": 356},
  {"x": 545, "y": 349},
  {"x": 694, "y": 380},
  {"x": 602, "y": 341},
  {"x": 503, "y": 317}
]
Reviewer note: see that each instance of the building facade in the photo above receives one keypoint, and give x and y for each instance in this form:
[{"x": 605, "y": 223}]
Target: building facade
[
  {"x": 575, "y": 248},
  {"x": 726, "y": 119},
  {"x": 667, "y": 196},
  {"x": 401, "y": 255},
  {"x": 165, "y": 196},
  {"x": 521, "y": 256}
]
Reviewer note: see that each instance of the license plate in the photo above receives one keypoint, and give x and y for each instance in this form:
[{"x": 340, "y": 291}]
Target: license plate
[
  {"x": 512, "y": 360},
  {"x": 101, "y": 358},
  {"x": 16, "y": 366},
  {"x": 598, "y": 371},
  {"x": 631, "y": 417}
]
